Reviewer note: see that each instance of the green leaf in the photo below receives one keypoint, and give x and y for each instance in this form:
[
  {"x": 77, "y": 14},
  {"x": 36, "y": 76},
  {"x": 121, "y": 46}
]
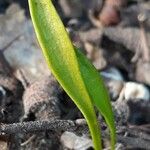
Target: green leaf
[
  {"x": 97, "y": 91},
  {"x": 71, "y": 68}
]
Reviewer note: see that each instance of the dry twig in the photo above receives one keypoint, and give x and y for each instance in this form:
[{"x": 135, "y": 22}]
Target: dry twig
[
  {"x": 131, "y": 137},
  {"x": 34, "y": 126}
]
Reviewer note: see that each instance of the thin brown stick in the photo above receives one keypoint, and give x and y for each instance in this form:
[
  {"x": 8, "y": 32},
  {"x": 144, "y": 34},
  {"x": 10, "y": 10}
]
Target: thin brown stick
[
  {"x": 131, "y": 140},
  {"x": 33, "y": 126}
]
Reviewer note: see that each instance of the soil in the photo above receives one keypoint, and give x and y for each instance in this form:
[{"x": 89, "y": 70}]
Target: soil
[{"x": 36, "y": 113}]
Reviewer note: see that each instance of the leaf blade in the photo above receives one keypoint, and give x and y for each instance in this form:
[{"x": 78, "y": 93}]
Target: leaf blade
[
  {"x": 98, "y": 92},
  {"x": 60, "y": 55},
  {"x": 71, "y": 68}
]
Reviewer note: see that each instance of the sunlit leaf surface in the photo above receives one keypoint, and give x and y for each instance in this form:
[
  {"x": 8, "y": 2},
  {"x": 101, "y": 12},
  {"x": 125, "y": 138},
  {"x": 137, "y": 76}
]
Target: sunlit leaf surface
[{"x": 71, "y": 68}]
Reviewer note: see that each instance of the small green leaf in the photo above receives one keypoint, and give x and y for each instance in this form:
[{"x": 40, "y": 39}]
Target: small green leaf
[
  {"x": 97, "y": 91},
  {"x": 71, "y": 68}
]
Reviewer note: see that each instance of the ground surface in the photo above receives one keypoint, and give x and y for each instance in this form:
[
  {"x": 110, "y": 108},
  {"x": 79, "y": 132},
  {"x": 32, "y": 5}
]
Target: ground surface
[{"x": 115, "y": 36}]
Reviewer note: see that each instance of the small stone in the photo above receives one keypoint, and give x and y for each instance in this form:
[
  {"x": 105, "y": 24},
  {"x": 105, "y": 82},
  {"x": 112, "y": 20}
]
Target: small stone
[
  {"x": 134, "y": 90},
  {"x": 72, "y": 141},
  {"x": 112, "y": 73},
  {"x": 81, "y": 122}
]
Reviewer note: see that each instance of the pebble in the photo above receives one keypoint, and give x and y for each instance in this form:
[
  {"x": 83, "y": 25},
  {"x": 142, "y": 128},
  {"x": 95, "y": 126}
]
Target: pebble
[
  {"x": 127, "y": 90},
  {"x": 134, "y": 90},
  {"x": 112, "y": 73},
  {"x": 72, "y": 141}
]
